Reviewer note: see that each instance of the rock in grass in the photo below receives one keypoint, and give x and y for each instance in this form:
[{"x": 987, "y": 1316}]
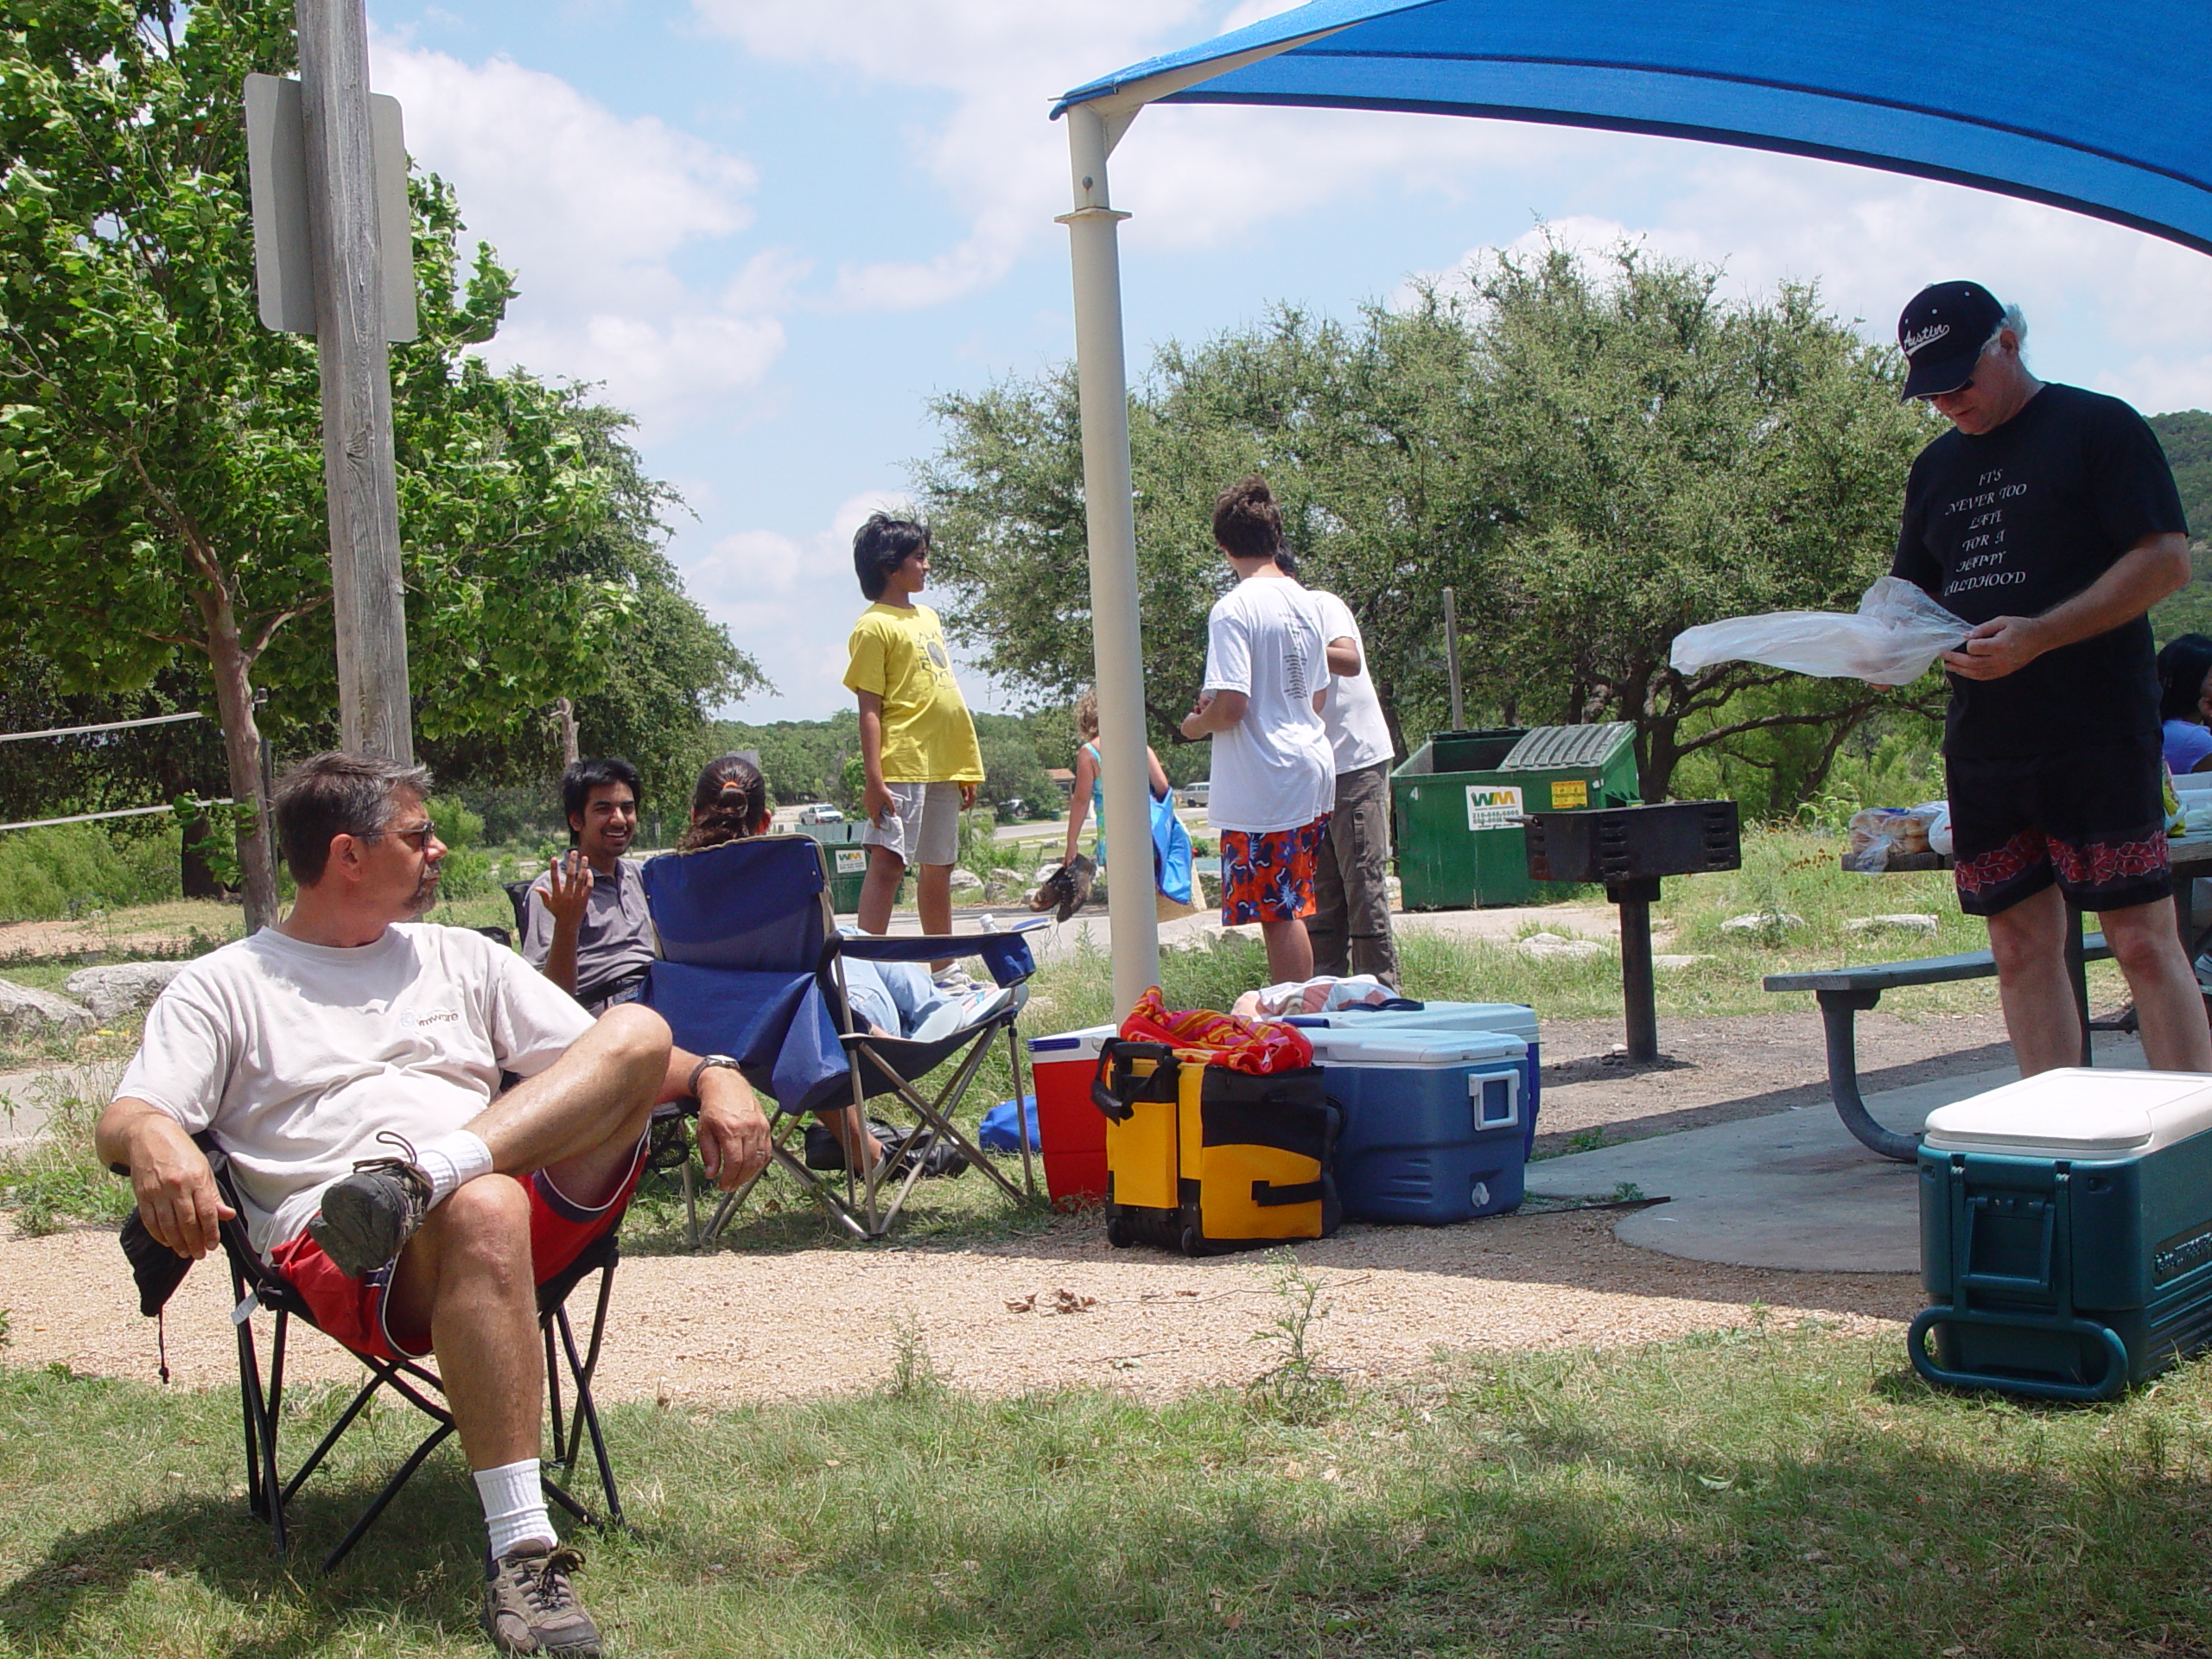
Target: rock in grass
[
  {"x": 1675, "y": 963},
  {"x": 122, "y": 988},
  {"x": 25, "y": 1012},
  {"x": 1542, "y": 945},
  {"x": 965, "y": 881},
  {"x": 1903, "y": 921},
  {"x": 1762, "y": 921}
]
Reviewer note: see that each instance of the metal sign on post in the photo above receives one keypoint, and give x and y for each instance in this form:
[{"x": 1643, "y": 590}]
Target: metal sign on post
[
  {"x": 358, "y": 236},
  {"x": 283, "y": 257}
]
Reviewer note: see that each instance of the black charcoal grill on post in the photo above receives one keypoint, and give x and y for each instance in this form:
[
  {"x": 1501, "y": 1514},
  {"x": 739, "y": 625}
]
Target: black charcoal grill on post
[{"x": 1630, "y": 849}]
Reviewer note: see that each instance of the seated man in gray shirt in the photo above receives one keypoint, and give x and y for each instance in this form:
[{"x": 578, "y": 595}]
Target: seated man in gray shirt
[{"x": 587, "y": 929}]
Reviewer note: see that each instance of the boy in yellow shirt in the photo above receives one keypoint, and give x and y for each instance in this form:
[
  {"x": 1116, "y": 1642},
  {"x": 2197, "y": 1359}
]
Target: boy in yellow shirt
[{"x": 917, "y": 744}]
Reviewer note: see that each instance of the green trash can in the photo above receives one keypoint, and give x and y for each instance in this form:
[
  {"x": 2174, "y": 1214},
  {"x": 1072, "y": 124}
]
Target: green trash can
[
  {"x": 848, "y": 861},
  {"x": 1457, "y": 804}
]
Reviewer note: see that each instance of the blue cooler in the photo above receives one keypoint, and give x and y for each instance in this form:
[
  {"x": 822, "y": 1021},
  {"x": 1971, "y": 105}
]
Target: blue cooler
[
  {"x": 1432, "y": 1121},
  {"x": 1513, "y": 1018},
  {"x": 2066, "y": 1233}
]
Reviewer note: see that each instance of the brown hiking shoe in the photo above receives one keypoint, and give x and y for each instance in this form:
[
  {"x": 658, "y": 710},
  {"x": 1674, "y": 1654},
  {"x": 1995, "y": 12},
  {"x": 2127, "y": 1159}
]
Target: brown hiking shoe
[
  {"x": 368, "y": 1215},
  {"x": 530, "y": 1607}
]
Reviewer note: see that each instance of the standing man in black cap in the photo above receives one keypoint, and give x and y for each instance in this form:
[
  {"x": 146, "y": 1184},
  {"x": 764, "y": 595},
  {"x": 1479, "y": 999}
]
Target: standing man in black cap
[{"x": 2048, "y": 518}]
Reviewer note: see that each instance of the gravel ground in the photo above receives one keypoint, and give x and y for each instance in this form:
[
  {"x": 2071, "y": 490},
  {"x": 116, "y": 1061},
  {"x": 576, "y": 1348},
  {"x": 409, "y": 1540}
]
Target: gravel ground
[{"x": 724, "y": 1327}]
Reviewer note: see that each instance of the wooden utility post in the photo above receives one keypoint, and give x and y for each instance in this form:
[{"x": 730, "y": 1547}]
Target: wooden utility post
[{"x": 367, "y": 597}]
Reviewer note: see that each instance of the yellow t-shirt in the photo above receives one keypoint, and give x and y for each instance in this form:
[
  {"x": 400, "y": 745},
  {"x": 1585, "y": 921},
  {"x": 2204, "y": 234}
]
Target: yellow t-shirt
[{"x": 898, "y": 653}]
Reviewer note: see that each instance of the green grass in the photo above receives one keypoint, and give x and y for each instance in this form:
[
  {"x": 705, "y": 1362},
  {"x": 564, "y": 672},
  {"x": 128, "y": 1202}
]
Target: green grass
[{"x": 1747, "y": 1494}]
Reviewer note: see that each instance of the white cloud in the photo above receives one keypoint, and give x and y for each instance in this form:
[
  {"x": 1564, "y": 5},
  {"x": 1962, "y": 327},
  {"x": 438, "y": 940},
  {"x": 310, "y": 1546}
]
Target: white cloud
[
  {"x": 2106, "y": 306},
  {"x": 790, "y": 602},
  {"x": 1195, "y": 177},
  {"x": 592, "y": 212}
]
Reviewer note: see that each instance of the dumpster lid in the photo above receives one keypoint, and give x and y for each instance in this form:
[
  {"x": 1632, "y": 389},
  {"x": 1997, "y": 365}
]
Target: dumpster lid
[
  {"x": 1413, "y": 1046},
  {"x": 1568, "y": 745},
  {"x": 2074, "y": 1112}
]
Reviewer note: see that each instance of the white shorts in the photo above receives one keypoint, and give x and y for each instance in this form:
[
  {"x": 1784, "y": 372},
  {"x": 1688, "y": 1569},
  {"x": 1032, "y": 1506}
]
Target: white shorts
[{"x": 926, "y": 828}]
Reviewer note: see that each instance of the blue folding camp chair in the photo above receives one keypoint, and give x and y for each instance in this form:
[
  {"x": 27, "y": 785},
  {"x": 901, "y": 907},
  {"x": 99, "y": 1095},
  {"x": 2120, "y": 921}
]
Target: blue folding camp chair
[{"x": 753, "y": 966}]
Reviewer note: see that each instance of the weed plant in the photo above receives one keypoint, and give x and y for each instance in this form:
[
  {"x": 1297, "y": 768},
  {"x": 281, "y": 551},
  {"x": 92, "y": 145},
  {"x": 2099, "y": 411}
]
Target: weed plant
[{"x": 1752, "y": 1493}]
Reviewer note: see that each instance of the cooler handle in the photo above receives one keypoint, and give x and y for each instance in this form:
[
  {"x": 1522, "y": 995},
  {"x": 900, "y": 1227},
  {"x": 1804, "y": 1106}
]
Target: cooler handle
[
  {"x": 2109, "y": 1386},
  {"x": 2040, "y": 1281},
  {"x": 1117, "y": 1048}
]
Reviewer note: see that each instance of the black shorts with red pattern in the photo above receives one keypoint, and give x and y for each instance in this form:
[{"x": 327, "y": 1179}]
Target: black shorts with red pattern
[{"x": 2093, "y": 821}]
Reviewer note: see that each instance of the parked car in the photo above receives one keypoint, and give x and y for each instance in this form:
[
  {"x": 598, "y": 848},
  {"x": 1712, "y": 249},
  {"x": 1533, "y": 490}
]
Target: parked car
[
  {"x": 819, "y": 813},
  {"x": 1195, "y": 794}
]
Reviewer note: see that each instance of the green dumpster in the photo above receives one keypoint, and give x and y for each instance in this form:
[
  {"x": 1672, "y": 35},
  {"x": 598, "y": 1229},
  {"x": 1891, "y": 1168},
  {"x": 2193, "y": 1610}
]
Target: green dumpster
[
  {"x": 848, "y": 861},
  {"x": 1458, "y": 801}
]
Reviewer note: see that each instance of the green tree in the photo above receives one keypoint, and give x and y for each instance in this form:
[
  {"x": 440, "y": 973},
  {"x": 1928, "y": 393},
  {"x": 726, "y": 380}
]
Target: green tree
[
  {"x": 160, "y": 451},
  {"x": 670, "y": 666},
  {"x": 1593, "y": 462}
]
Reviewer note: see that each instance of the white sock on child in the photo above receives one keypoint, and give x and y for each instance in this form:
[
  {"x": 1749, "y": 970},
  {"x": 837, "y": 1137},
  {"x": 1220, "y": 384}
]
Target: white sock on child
[
  {"x": 451, "y": 1159},
  {"x": 514, "y": 1506}
]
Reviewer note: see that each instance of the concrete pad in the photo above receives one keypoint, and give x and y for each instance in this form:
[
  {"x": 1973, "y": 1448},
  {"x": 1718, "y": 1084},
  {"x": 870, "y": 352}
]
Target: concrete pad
[{"x": 1791, "y": 1191}]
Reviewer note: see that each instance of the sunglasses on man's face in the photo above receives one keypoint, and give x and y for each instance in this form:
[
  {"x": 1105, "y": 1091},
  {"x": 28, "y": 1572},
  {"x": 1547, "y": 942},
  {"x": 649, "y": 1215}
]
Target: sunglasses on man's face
[{"x": 420, "y": 835}]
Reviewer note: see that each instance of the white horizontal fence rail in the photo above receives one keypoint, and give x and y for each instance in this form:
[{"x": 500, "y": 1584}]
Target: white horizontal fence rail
[
  {"x": 87, "y": 817},
  {"x": 111, "y": 726}
]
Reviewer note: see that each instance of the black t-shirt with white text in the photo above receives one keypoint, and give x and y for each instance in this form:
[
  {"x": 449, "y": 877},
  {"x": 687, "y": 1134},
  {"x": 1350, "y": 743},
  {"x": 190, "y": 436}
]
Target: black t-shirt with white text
[{"x": 2022, "y": 518}]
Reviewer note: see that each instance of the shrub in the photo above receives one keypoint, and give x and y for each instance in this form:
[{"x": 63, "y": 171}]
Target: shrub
[{"x": 50, "y": 874}]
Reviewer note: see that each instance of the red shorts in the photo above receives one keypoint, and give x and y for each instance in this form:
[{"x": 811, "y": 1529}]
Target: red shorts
[
  {"x": 1269, "y": 877},
  {"x": 353, "y": 1311}
]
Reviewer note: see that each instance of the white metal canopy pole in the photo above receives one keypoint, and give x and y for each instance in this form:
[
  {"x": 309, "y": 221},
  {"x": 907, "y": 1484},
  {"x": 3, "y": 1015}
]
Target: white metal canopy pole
[
  {"x": 1102, "y": 386},
  {"x": 367, "y": 598}
]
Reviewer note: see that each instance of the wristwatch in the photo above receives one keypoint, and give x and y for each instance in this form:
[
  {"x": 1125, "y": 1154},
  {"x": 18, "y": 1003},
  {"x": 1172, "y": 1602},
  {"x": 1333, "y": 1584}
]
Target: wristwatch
[{"x": 721, "y": 1061}]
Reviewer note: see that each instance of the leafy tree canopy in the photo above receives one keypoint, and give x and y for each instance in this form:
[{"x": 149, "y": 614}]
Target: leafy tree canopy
[
  {"x": 161, "y": 466},
  {"x": 1593, "y": 458}
]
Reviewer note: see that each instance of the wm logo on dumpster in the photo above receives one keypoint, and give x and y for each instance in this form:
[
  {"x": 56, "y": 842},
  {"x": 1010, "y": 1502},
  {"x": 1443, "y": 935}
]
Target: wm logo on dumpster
[{"x": 1493, "y": 806}]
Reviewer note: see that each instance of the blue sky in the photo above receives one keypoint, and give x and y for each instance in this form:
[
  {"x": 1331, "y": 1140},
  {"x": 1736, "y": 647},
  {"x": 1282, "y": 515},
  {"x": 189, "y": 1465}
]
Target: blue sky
[{"x": 774, "y": 229}]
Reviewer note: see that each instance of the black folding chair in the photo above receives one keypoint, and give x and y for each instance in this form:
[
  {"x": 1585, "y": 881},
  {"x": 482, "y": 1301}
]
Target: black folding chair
[{"x": 257, "y": 1285}]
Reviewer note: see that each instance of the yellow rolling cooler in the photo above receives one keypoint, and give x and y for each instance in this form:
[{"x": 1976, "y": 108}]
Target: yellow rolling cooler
[{"x": 1203, "y": 1160}]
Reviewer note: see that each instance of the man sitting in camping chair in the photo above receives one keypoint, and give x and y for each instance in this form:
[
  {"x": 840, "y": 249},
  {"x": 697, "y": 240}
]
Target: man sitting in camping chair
[{"x": 318, "y": 1048}]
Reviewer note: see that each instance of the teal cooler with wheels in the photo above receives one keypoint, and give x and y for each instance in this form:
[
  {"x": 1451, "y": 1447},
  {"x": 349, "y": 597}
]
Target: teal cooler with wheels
[
  {"x": 1514, "y": 1019},
  {"x": 1433, "y": 1128},
  {"x": 2066, "y": 1233}
]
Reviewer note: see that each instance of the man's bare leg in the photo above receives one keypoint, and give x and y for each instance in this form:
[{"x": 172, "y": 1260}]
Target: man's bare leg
[
  {"x": 2029, "y": 943},
  {"x": 579, "y": 1119},
  {"x": 2168, "y": 1008},
  {"x": 933, "y": 902},
  {"x": 1290, "y": 952},
  {"x": 467, "y": 1275},
  {"x": 880, "y": 890}
]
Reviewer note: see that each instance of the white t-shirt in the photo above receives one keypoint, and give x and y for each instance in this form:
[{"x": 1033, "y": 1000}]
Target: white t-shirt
[
  {"x": 1353, "y": 714},
  {"x": 297, "y": 1055},
  {"x": 1274, "y": 769}
]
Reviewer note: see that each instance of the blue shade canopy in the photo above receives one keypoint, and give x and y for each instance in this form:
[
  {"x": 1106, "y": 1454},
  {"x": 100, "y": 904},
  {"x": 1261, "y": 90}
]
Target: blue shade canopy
[{"x": 2105, "y": 109}]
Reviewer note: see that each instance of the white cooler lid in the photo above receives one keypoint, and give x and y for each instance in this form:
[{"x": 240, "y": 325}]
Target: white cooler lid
[
  {"x": 1412, "y": 1045},
  {"x": 1516, "y": 1017},
  {"x": 1071, "y": 1044},
  {"x": 2075, "y": 1112}
]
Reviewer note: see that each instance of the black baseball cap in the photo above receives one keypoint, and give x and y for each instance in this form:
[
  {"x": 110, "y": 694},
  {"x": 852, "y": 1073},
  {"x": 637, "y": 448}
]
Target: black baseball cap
[{"x": 1942, "y": 331}]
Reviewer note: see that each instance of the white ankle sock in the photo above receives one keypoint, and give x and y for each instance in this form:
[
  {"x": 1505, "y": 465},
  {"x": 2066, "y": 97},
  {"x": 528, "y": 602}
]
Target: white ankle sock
[
  {"x": 514, "y": 1506},
  {"x": 451, "y": 1159}
]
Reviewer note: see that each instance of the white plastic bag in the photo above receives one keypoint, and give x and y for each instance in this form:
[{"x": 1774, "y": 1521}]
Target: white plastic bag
[{"x": 1895, "y": 634}]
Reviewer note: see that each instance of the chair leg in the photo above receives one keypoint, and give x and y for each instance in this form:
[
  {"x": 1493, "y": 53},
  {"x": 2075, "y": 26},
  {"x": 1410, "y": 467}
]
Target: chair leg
[
  {"x": 265, "y": 1493},
  {"x": 690, "y": 1205},
  {"x": 1020, "y": 1113},
  {"x": 560, "y": 1453},
  {"x": 435, "y": 1439},
  {"x": 589, "y": 1411}
]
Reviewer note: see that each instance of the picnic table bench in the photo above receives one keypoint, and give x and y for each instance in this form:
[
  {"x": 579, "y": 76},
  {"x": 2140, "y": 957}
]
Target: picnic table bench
[{"x": 1845, "y": 992}]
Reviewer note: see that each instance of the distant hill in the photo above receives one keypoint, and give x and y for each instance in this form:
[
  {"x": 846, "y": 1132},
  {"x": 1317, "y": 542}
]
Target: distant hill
[{"x": 2187, "y": 436}]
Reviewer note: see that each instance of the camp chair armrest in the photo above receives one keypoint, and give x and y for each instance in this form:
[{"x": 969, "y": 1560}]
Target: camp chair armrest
[{"x": 1006, "y": 955}]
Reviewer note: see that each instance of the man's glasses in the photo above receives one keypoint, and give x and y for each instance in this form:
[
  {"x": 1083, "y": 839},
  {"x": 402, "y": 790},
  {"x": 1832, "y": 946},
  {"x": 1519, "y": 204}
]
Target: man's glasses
[{"x": 420, "y": 835}]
